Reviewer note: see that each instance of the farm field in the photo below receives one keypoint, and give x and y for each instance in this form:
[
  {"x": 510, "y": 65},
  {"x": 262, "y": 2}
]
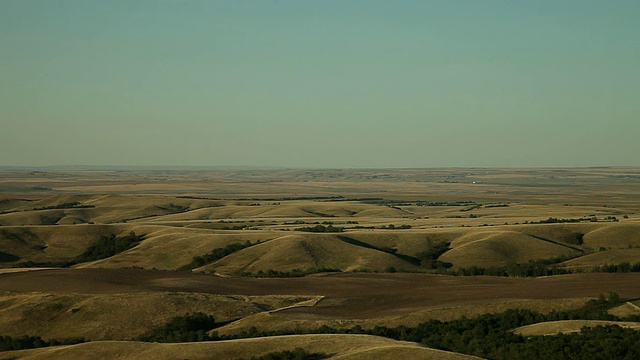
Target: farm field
[{"x": 110, "y": 255}]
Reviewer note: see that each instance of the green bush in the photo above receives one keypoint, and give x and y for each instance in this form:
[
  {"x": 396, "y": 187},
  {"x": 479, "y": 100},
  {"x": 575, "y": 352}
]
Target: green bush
[
  {"x": 288, "y": 274},
  {"x": 187, "y": 328},
  {"x": 7, "y": 343},
  {"x": 491, "y": 335},
  {"x": 217, "y": 254},
  {"x": 321, "y": 229},
  {"x": 108, "y": 246}
]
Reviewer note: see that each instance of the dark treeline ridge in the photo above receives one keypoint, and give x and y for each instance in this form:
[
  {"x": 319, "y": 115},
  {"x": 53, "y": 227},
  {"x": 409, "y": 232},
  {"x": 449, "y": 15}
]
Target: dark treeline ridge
[
  {"x": 8, "y": 343},
  {"x": 393, "y": 227},
  {"x": 446, "y": 203},
  {"x": 217, "y": 254},
  {"x": 535, "y": 268},
  {"x": 553, "y": 220},
  {"x": 489, "y": 336},
  {"x": 289, "y": 198},
  {"x": 68, "y": 205},
  {"x": 624, "y": 267},
  {"x": 195, "y": 197},
  {"x": 288, "y": 274},
  {"x": 427, "y": 260},
  {"x": 395, "y": 202},
  {"x": 360, "y": 199},
  {"x": 321, "y": 229}
]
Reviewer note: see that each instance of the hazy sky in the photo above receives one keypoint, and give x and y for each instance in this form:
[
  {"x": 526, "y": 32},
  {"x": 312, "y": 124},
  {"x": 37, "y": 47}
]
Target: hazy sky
[{"x": 320, "y": 83}]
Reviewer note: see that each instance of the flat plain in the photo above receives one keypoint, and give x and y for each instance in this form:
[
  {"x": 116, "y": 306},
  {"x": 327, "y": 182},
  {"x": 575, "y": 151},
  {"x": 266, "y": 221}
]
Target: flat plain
[{"x": 283, "y": 249}]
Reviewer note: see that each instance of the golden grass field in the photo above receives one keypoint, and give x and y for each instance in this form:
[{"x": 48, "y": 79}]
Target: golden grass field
[
  {"x": 487, "y": 216},
  {"x": 569, "y": 326},
  {"x": 352, "y": 347}
]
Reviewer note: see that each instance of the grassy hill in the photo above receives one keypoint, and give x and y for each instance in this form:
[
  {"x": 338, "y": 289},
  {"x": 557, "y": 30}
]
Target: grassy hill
[
  {"x": 337, "y": 346},
  {"x": 614, "y": 236},
  {"x": 119, "y": 316},
  {"x": 53, "y": 243},
  {"x": 209, "y": 234},
  {"x": 170, "y": 247},
  {"x": 569, "y": 326},
  {"x": 493, "y": 248},
  {"x": 307, "y": 251}
]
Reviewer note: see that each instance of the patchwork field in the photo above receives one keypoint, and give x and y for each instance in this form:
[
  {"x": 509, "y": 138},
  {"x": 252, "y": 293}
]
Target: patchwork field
[{"x": 112, "y": 254}]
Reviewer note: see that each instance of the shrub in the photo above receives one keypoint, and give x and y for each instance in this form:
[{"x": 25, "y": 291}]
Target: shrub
[
  {"x": 108, "y": 246},
  {"x": 187, "y": 328},
  {"x": 217, "y": 254},
  {"x": 321, "y": 229}
]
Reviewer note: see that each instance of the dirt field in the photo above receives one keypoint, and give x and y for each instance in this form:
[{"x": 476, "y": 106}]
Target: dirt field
[{"x": 346, "y": 296}]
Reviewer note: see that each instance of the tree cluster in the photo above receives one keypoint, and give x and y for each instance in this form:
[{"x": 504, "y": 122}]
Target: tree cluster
[
  {"x": 8, "y": 343},
  {"x": 288, "y": 274},
  {"x": 107, "y": 246},
  {"x": 187, "y": 328},
  {"x": 217, "y": 254},
  {"x": 321, "y": 229},
  {"x": 68, "y": 205},
  {"x": 491, "y": 335},
  {"x": 429, "y": 258},
  {"x": 488, "y": 335},
  {"x": 624, "y": 267},
  {"x": 393, "y": 227}
]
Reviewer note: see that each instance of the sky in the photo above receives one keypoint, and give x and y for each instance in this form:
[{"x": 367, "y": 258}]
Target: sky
[{"x": 320, "y": 84}]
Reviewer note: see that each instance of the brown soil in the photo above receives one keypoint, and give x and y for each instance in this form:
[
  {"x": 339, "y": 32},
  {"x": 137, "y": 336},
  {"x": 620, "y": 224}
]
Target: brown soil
[{"x": 347, "y": 296}]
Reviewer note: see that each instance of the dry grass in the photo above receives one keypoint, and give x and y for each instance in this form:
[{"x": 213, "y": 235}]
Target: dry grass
[
  {"x": 119, "y": 304},
  {"x": 169, "y": 248},
  {"x": 345, "y": 296},
  {"x": 613, "y": 256},
  {"x": 180, "y": 228},
  {"x": 568, "y": 326},
  {"x": 492, "y": 248},
  {"x": 120, "y": 316},
  {"x": 286, "y": 320},
  {"x": 337, "y": 346},
  {"x": 629, "y": 308},
  {"x": 304, "y": 251},
  {"x": 619, "y": 236},
  {"x": 54, "y": 243}
]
